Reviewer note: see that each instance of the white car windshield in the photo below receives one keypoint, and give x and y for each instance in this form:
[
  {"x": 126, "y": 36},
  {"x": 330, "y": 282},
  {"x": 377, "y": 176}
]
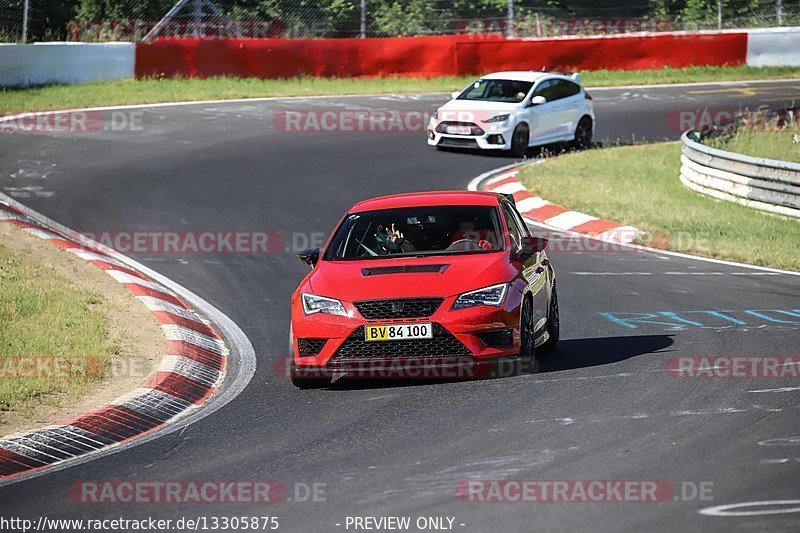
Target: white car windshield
[{"x": 510, "y": 91}]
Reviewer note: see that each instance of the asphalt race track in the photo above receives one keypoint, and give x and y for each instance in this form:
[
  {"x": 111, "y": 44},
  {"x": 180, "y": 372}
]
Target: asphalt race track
[{"x": 603, "y": 408}]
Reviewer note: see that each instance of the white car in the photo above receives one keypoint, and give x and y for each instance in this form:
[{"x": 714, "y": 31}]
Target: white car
[{"x": 515, "y": 110}]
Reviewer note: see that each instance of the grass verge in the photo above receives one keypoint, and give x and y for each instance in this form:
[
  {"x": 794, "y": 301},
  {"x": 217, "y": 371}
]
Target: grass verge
[
  {"x": 71, "y": 338},
  {"x": 173, "y": 90},
  {"x": 639, "y": 186},
  {"x": 783, "y": 145},
  {"x": 47, "y": 323}
]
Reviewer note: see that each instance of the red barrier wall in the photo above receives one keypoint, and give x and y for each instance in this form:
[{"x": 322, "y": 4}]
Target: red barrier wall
[
  {"x": 430, "y": 56},
  {"x": 281, "y": 58},
  {"x": 612, "y": 53}
]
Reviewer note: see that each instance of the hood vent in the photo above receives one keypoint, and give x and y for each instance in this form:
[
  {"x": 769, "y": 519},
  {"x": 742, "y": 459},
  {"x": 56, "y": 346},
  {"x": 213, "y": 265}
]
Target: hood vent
[{"x": 404, "y": 269}]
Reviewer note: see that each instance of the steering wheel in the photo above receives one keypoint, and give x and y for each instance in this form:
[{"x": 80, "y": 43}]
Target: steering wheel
[{"x": 464, "y": 245}]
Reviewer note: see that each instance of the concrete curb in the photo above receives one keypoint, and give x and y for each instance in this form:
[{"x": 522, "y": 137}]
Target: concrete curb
[
  {"x": 191, "y": 373},
  {"x": 479, "y": 184},
  {"x": 504, "y": 180}
]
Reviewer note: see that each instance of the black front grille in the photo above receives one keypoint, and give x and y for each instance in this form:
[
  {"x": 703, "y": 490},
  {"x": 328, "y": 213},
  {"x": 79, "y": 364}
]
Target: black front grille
[
  {"x": 442, "y": 344},
  {"x": 459, "y": 143},
  {"x": 398, "y": 308},
  {"x": 501, "y": 338},
  {"x": 310, "y": 347}
]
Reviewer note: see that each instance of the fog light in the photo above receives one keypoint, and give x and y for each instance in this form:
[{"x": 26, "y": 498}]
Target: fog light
[
  {"x": 430, "y": 134},
  {"x": 495, "y": 139}
]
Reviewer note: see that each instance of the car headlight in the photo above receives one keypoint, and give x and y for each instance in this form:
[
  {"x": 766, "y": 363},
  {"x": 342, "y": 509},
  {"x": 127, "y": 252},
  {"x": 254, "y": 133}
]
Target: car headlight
[
  {"x": 497, "y": 118},
  {"x": 435, "y": 115},
  {"x": 319, "y": 304},
  {"x": 494, "y": 296}
]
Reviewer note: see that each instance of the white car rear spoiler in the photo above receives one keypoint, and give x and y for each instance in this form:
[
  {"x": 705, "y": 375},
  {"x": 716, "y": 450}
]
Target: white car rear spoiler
[{"x": 575, "y": 76}]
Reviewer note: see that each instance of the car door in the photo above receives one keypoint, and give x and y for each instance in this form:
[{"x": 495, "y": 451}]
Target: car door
[
  {"x": 532, "y": 269},
  {"x": 543, "y": 118},
  {"x": 566, "y": 108}
]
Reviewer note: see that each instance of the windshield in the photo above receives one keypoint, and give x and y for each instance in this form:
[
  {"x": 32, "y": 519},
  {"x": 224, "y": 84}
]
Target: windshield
[
  {"x": 417, "y": 231},
  {"x": 510, "y": 91}
]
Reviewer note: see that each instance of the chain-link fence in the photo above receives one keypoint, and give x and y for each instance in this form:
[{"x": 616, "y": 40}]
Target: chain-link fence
[{"x": 132, "y": 20}]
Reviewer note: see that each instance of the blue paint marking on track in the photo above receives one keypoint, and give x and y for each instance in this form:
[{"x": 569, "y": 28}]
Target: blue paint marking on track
[{"x": 710, "y": 318}]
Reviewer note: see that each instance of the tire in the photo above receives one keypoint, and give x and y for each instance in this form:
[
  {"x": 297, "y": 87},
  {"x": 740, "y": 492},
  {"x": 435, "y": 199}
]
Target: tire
[
  {"x": 553, "y": 323},
  {"x": 519, "y": 141},
  {"x": 583, "y": 134},
  {"x": 527, "y": 346}
]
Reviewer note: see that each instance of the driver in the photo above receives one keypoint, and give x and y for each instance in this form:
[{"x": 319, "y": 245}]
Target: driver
[
  {"x": 520, "y": 94},
  {"x": 466, "y": 232},
  {"x": 392, "y": 240}
]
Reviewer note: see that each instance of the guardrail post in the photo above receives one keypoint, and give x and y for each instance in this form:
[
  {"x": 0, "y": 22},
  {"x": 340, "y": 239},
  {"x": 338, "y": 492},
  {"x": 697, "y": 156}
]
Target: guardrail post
[
  {"x": 510, "y": 22},
  {"x": 363, "y": 19},
  {"x": 25, "y": 22}
]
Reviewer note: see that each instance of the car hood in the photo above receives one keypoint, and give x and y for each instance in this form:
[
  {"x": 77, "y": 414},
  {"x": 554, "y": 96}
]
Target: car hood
[
  {"x": 474, "y": 110},
  {"x": 479, "y": 105},
  {"x": 408, "y": 277}
]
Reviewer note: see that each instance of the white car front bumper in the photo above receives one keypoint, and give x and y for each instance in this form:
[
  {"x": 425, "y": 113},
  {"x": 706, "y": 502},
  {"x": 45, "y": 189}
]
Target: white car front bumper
[{"x": 496, "y": 136}]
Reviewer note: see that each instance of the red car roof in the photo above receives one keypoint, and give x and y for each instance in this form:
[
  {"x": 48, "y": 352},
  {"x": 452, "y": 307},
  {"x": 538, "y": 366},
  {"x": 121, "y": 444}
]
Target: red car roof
[{"x": 426, "y": 199}]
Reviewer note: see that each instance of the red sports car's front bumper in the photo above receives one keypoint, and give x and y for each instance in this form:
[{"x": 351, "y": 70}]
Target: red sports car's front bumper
[{"x": 466, "y": 343}]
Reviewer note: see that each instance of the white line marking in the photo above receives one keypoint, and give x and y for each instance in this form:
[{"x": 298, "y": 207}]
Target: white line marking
[
  {"x": 675, "y": 273},
  {"x": 612, "y": 273},
  {"x": 726, "y": 510},
  {"x": 781, "y": 461},
  {"x": 718, "y": 411},
  {"x": 781, "y": 389},
  {"x": 781, "y": 441}
]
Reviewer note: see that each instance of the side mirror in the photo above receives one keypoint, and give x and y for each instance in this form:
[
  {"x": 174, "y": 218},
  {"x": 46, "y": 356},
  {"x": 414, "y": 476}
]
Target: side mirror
[
  {"x": 455, "y": 94},
  {"x": 538, "y": 100},
  {"x": 309, "y": 256},
  {"x": 531, "y": 246}
]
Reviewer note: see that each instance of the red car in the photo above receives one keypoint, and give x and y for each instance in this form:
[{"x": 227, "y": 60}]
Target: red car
[{"x": 440, "y": 284}]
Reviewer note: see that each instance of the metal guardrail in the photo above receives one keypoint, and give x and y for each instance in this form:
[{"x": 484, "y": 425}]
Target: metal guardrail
[{"x": 755, "y": 182}]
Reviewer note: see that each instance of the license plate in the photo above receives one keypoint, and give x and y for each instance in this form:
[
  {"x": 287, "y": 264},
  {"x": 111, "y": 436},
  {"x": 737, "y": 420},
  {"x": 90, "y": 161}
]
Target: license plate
[
  {"x": 398, "y": 332},
  {"x": 458, "y": 130}
]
